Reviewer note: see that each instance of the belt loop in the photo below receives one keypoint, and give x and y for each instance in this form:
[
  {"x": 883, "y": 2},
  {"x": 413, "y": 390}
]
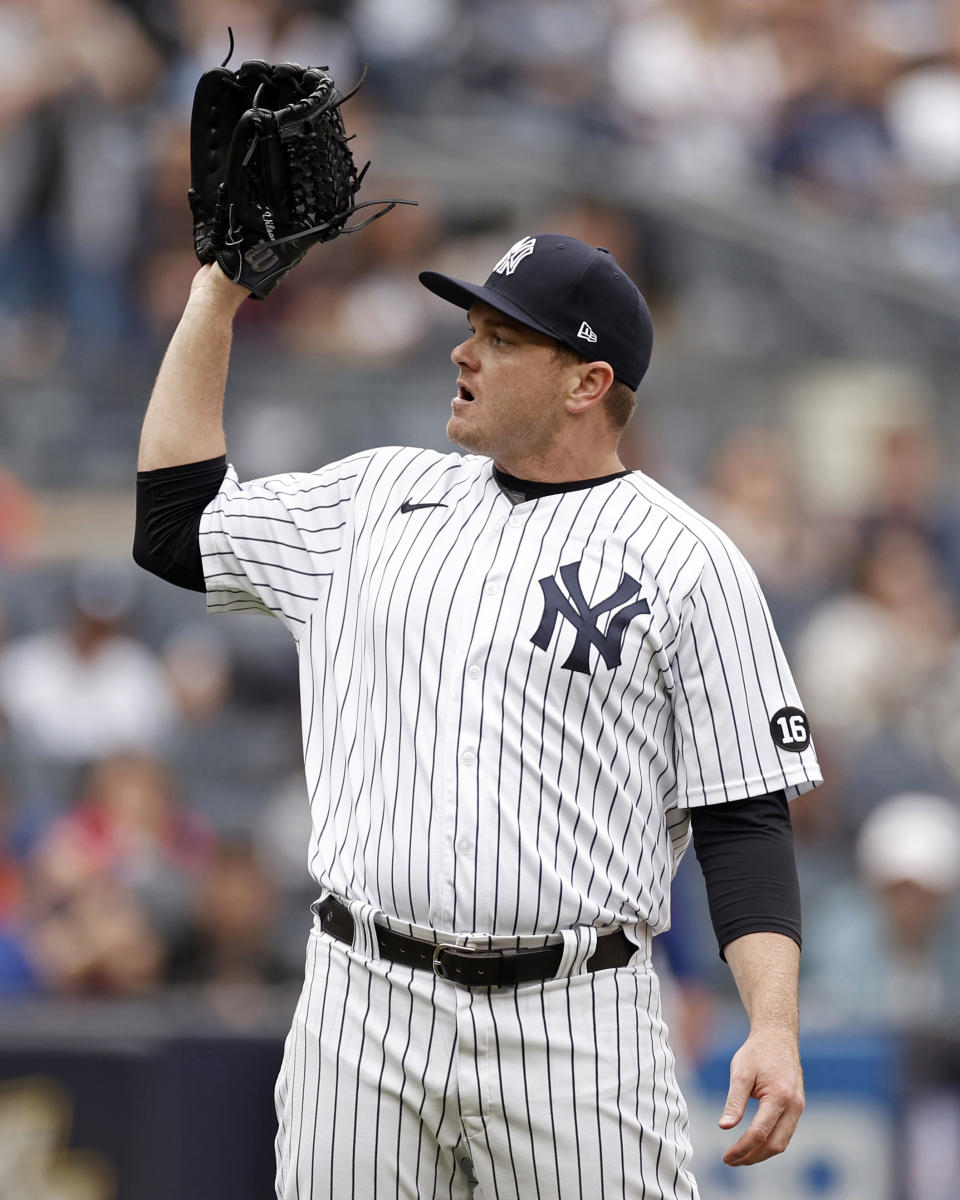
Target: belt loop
[
  {"x": 364, "y": 930},
  {"x": 579, "y": 944}
]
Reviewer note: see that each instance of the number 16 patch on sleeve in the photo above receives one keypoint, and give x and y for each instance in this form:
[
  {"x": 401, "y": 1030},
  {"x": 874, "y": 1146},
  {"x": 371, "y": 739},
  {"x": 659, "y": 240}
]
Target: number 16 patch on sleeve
[{"x": 790, "y": 729}]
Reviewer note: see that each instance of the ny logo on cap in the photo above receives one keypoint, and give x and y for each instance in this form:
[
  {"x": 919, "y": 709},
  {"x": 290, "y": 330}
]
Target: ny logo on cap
[
  {"x": 515, "y": 255},
  {"x": 584, "y": 617}
]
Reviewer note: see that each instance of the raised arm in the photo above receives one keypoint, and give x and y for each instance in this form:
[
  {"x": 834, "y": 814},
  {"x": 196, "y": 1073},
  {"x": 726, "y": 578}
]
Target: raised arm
[
  {"x": 184, "y": 420},
  {"x": 765, "y": 967}
]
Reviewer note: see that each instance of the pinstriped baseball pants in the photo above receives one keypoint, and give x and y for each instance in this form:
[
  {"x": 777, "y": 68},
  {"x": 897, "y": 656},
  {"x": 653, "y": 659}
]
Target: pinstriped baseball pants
[{"x": 397, "y": 1084}]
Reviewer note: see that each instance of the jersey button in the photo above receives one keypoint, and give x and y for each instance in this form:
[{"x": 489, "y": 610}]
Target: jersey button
[
  {"x": 492, "y": 589},
  {"x": 515, "y": 521},
  {"x": 475, "y": 672},
  {"x": 464, "y": 846},
  {"x": 468, "y": 757}
]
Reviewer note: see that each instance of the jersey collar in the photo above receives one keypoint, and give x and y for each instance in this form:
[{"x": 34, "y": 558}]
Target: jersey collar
[{"x": 533, "y": 489}]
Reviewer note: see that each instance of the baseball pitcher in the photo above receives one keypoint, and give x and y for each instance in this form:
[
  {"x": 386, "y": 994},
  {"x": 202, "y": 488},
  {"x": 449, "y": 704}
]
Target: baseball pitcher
[{"x": 529, "y": 679}]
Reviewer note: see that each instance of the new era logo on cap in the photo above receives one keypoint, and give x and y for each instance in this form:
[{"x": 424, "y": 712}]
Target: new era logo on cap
[
  {"x": 515, "y": 255},
  {"x": 586, "y": 333}
]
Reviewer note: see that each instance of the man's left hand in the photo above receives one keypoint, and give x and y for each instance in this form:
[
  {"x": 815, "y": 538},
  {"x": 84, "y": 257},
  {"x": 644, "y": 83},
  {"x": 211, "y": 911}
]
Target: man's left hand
[{"x": 766, "y": 1066}]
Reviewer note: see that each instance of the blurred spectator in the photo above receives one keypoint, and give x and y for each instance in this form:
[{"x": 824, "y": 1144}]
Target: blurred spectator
[
  {"x": 698, "y": 80},
  {"x": 19, "y": 519},
  {"x": 752, "y": 494},
  {"x": 407, "y": 45},
  {"x": 540, "y": 59},
  {"x": 69, "y": 157},
  {"x": 128, "y": 823},
  {"x": 912, "y": 28},
  {"x": 842, "y": 414},
  {"x": 235, "y": 737},
  {"x": 16, "y": 973},
  {"x": 865, "y": 653},
  {"x": 228, "y": 937},
  {"x": 911, "y": 489},
  {"x": 923, "y": 114},
  {"x": 932, "y": 723},
  {"x": 111, "y": 880},
  {"x": 831, "y": 138},
  {"x": 11, "y": 864},
  {"x": 198, "y": 668},
  {"x": 75, "y": 693},
  {"x": 886, "y": 949},
  {"x": 91, "y": 938},
  {"x": 895, "y": 757},
  {"x": 923, "y": 111}
]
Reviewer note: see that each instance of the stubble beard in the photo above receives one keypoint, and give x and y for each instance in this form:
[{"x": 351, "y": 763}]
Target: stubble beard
[
  {"x": 465, "y": 440},
  {"x": 472, "y": 438}
]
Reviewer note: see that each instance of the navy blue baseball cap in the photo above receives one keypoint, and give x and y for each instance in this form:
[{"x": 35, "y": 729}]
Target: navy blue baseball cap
[{"x": 577, "y": 294}]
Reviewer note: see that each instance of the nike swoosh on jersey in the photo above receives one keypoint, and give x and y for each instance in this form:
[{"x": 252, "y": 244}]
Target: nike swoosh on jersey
[{"x": 409, "y": 506}]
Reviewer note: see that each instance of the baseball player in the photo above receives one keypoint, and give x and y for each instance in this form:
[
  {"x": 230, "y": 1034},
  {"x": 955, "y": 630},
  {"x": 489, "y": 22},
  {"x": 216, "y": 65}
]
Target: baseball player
[{"x": 529, "y": 677}]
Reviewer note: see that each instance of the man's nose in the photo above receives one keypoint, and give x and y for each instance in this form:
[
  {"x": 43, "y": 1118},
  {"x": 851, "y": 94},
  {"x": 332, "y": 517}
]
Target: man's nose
[{"x": 463, "y": 354}]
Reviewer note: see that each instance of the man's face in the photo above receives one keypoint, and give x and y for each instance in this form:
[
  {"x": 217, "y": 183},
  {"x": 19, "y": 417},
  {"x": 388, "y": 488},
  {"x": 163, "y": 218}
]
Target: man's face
[{"x": 510, "y": 389}]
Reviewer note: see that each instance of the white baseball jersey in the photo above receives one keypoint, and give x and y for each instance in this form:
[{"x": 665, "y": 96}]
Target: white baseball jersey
[{"x": 508, "y": 708}]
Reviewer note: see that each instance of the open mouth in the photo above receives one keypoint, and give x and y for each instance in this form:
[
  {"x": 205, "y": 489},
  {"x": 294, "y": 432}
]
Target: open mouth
[{"x": 464, "y": 393}]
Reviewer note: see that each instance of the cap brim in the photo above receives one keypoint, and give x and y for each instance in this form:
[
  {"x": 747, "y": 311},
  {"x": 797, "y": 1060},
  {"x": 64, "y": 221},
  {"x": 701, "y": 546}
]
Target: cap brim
[{"x": 464, "y": 294}]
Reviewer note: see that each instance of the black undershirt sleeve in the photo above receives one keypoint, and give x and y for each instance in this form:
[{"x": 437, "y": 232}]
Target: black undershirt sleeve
[
  {"x": 170, "y": 503},
  {"x": 745, "y": 850}
]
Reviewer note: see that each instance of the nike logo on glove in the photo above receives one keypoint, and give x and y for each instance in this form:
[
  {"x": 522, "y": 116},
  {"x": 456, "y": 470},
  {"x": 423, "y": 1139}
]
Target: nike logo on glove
[{"x": 409, "y": 506}]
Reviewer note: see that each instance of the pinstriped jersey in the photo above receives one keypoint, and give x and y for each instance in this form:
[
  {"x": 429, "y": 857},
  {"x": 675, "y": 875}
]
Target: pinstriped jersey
[{"x": 509, "y": 708}]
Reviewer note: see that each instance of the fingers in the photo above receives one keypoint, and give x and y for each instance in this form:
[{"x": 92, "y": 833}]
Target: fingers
[
  {"x": 211, "y": 286},
  {"x": 769, "y": 1134},
  {"x": 741, "y": 1085}
]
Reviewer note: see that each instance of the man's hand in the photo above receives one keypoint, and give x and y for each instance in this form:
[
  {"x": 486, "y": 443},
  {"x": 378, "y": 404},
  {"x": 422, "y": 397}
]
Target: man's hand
[
  {"x": 212, "y": 287},
  {"x": 766, "y": 1066}
]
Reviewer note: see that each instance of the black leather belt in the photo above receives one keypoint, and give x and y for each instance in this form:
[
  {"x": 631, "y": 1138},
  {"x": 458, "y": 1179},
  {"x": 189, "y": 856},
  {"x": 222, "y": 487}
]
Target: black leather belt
[{"x": 468, "y": 966}]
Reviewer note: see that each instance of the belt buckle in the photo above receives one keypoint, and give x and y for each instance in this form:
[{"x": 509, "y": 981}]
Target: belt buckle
[{"x": 438, "y": 968}]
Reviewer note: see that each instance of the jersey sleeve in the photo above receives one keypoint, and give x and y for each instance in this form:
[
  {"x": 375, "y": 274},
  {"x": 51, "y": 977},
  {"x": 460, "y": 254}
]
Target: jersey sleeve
[
  {"x": 268, "y": 546},
  {"x": 739, "y": 726}
]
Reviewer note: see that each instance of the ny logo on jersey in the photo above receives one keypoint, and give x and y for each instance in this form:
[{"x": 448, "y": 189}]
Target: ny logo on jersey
[
  {"x": 583, "y": 617},
  {"x": 515, "y": 255}
]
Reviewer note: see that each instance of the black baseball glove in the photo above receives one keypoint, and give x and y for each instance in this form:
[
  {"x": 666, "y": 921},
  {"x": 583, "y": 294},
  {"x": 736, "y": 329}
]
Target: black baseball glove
[{"x": 271, "y": 170}]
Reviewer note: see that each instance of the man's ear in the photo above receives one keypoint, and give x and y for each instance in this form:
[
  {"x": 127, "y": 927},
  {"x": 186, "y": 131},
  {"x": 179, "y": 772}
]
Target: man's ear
[{"x": 593, "y": 383}]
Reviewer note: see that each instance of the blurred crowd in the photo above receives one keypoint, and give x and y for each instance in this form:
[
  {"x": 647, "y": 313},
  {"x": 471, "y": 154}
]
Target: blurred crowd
[
  {"x": 851, "y": 107},
  {"x": 150, "y": 830},
  {"x": 152, "y": 823}
]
